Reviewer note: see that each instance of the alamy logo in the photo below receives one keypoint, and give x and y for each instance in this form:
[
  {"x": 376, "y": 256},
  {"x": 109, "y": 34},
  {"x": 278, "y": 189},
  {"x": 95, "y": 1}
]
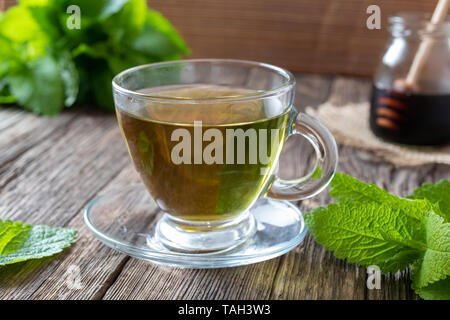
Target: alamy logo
[
  {"x": 374, "y": 20},
  {"x": 373, "y": 277},
  {"x": 72, "y": 278},
  {"x": 74, "y": 20},
  {"x": 229, "y": 149}
]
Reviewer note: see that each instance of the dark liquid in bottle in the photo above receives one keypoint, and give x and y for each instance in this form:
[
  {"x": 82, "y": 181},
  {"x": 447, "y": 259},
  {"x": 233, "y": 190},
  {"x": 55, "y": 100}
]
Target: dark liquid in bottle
[{"x": 410, "y": 118}]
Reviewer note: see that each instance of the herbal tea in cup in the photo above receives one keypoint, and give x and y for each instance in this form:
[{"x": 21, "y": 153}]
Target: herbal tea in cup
[
  {"x": 205, "y": 137},
  {"x": 216, "y": 183}
]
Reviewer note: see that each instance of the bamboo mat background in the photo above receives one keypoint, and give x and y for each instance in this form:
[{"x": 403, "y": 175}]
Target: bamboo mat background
[{"x": 317, "y": 36}]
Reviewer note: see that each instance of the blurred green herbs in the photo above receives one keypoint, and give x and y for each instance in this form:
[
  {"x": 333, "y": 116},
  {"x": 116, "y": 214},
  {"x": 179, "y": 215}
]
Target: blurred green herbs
[{"x": 47, "y": 64}]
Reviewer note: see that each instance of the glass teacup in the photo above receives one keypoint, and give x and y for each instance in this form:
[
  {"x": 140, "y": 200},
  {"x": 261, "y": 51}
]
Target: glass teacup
[{"x": 205, "y": 137}]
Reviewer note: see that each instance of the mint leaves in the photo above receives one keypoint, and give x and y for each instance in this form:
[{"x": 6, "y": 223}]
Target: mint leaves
[
  {"x": 437, "y": 193},
  {"x": 431, "y": 272},
  {"x": 46, "y": 66},
  {"x": 35, "y": 81},
  {"x": 369, "y": 226},
  {"x": 20, "y": 242},
  {"x": 366, "y": 234}
]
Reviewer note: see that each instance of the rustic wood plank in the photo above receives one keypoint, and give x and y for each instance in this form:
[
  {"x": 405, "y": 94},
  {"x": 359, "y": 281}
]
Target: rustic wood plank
[
  {"x": 336, "y": 278},
  {"x": 140, "y": 280},
  {"x": 309, "y": 272},
  {"x": 53, "y": 182},
  {"x": 311, "y": 90},
  {"x": 96, "y": 265},
  {"x": 256, "y": 286},
  {"x": 53, "y": 169},
  {"x": 249, "y": 282},
  {"x": 297, "y": 270},
  {"x": 56, "y": 177},
  {"x": 22, "y": 130}
]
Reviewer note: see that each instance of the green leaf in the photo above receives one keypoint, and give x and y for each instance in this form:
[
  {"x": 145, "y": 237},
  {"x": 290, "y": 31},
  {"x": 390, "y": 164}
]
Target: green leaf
[
  {"x": 46, "y": 17},
  {"x": 160, "y": 39},
  {"x": 155, "y": 44},
  {"x": 38, "y": 86},
  {"x": 348, "y": 189},
  {"x": 98, "y": 50},
  {"x": 439, "y": 290},
  {"x": 102, "y": 87},
  {"x": 317, "y": 174},
  {"x": 98, "y": 9},
  {"x": 34, "y": 2},
  {"x": 43, "y": 60},
  {"x": 7, "y": 99},
  {"x": 116, "y": 61},
  {"x": 7, "y": 51},
  {"x": 368, "y": 234},
  {"x": 20, "y": 242},
  {"x": 158, "y": 22},
  {"x": 126, "y": 25},
  {"x": 434, "y": 265},
  {"x": 19, "y": 26},
  {"x": 372, "y": 227},
  {"x": 69, "y": 77},
  {"x": 438, "y": 193}
]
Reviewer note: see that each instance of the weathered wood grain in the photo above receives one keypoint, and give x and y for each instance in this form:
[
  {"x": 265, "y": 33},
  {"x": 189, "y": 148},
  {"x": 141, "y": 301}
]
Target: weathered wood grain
[
  {"x": 94, "y": 265},
  {"x": 53, "y": 181},
  {"x": 308, "y": 272},
  {"x": 51, "y": 168},
  {"x": 336, "y": 278}
]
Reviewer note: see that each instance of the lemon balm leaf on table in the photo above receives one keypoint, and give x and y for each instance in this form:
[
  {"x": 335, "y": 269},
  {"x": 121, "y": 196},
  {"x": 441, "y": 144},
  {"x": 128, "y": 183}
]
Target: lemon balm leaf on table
[
  {"x": 438, "y": 193},
  {"x": 369, "y": 234},
  {"x": 349, "y": 189},
  {"x": 439, "y": 290},
  {"x": 431, "y": 278},
  {"x": 434, "y": 264},
  {"x": 20, "y": 242},
  {"x": 369, "y": 226}
]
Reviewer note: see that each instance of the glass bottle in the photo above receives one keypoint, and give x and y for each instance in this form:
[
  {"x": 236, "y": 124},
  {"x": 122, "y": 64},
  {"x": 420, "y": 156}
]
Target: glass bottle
[{"x": 413, "y": 113}]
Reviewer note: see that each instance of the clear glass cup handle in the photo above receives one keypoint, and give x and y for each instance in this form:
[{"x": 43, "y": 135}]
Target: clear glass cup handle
[{"x": 326, "y": 162}]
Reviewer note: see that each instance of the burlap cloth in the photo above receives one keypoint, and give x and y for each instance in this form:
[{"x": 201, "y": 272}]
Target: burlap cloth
[{"x": 350, "y": 126}]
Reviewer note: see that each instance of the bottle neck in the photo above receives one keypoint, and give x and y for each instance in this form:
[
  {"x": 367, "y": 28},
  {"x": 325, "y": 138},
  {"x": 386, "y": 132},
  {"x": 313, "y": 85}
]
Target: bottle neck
[{"x": 418, "y": 26}]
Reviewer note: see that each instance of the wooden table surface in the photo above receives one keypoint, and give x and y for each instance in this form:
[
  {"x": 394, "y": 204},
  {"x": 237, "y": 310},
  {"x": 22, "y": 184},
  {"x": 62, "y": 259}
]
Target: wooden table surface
[{"x": 50, "y": 168}]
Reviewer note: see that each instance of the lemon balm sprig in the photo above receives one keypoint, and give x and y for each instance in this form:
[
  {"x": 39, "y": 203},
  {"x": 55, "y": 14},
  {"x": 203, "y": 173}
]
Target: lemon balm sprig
[{"x": 369, "y": 226}]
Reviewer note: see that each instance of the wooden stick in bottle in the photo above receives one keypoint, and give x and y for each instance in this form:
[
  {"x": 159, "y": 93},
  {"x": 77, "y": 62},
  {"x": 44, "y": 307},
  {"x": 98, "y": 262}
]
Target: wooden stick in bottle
[{"x": 423, "y": 52}]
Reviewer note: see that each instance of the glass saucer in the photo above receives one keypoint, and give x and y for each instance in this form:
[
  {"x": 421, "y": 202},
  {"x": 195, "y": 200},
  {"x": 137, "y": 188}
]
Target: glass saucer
[{"x": 126, "y": 219}]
